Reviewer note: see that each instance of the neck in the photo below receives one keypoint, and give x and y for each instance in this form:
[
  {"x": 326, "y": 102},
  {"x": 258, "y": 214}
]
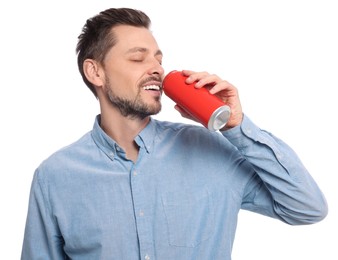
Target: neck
[{"x": 123, "y": 130}]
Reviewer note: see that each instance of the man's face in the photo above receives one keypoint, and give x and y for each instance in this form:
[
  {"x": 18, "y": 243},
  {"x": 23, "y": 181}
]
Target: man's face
[{"x": 134, "y": 72}]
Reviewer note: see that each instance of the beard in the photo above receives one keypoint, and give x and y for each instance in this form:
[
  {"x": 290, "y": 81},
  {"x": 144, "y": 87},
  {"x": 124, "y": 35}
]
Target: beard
[{"x": 133, "y": 109}]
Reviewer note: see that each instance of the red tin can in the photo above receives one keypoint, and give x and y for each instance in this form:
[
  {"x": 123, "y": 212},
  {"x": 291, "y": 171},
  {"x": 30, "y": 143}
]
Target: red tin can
[{"x": 207, "y": 108}]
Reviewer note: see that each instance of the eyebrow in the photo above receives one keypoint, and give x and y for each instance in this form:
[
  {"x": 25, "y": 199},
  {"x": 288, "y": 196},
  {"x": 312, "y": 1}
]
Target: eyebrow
[{"x": 141, "y": 49}]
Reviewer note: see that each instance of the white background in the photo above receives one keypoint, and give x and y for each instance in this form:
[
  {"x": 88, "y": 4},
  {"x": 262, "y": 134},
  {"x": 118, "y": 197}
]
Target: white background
[{"x": 281, "y": 55}]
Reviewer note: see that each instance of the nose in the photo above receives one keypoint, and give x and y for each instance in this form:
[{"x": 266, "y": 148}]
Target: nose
[{"x": 156, "y": 68}]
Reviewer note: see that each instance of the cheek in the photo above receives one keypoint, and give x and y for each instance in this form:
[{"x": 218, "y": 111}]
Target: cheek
[
  {"x": 123, "y": 82},
  {"x": 123, "y": 89}
]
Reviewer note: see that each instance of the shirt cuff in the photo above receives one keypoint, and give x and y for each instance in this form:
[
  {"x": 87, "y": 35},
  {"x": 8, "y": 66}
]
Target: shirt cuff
[{"x": 244, "y": 134}]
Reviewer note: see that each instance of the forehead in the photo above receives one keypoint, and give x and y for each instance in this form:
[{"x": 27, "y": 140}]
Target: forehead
[{"x": 131, "y": 37}]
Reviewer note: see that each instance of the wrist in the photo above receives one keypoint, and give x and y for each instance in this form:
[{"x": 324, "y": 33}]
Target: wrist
[{"x": 234, "y": 121}]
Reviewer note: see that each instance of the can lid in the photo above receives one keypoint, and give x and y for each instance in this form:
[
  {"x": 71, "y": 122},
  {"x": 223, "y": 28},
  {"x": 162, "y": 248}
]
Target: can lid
[{"x": 219, "y": 118}]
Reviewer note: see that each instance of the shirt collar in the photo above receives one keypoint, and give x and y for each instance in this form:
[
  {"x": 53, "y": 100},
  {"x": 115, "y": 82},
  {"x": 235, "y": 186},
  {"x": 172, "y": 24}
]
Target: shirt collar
[
  {"x": 147, "y": 136},
  {"x": 144, "y": 139}
]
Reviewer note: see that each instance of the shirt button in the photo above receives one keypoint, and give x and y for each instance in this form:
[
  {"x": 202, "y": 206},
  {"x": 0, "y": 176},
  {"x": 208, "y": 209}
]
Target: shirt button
[
  {"x": 134, "y": 173},
  {"x": 141, "y": 213},
  {"x": 147, "y": 257}
]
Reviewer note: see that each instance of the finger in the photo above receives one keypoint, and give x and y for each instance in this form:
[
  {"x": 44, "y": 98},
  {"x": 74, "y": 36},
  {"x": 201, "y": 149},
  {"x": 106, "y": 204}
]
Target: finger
[
  {"x": 187, "y": 72},
  {"x": 193, "y": 76},
  {"x": 221, "y": 86},
  {"x": 208, "y": 80},
  {"x": 184, "y": 113}
]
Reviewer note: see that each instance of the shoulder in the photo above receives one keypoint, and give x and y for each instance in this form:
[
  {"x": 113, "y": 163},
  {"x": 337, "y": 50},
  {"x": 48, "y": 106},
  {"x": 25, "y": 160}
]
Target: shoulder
[
  {"x": 177, "y": 128},
  {"x": 67, "y": 155},
  {"x": 187, "y": 132}
]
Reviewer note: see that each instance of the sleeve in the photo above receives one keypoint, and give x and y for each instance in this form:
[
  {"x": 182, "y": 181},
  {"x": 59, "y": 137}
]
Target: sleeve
[
  {"x": 282, "y": 187},
  {"x": 42, "y": 239}
]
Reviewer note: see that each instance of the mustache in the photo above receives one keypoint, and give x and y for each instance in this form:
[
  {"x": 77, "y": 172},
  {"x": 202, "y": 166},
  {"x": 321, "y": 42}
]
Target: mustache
[{"x": 151, "y": 78}]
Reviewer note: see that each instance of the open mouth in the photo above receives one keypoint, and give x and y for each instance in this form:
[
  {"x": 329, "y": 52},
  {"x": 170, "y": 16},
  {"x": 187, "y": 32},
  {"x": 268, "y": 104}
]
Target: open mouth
[{"x": 152, "y": 87}]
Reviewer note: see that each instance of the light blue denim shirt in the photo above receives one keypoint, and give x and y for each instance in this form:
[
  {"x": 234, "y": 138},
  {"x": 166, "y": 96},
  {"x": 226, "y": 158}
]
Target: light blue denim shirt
[{"x": 180, "y": 200}]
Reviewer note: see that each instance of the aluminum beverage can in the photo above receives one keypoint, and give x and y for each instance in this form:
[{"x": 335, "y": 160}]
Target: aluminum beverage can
[{"x": 207, "y": 108}]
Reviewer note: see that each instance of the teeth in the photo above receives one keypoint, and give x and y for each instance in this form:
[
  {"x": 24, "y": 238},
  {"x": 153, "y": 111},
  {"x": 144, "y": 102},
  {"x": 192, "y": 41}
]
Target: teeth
[{"x": 152, "y": 87}]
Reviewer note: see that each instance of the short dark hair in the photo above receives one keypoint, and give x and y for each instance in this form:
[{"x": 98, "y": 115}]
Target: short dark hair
[{"x": 97, "y": 38}]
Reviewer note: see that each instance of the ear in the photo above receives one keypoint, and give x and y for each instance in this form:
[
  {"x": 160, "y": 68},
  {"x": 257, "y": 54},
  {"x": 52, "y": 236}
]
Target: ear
[{"x": 94, "y": 73}]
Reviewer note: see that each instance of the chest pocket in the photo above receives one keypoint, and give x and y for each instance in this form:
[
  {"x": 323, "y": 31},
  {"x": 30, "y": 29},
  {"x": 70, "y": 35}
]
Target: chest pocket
[{"x": 189, "y": 216}]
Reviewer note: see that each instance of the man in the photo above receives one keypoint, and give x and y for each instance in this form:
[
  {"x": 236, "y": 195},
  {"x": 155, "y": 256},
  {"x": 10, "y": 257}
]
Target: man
[{"x": 138, "y": 188}]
